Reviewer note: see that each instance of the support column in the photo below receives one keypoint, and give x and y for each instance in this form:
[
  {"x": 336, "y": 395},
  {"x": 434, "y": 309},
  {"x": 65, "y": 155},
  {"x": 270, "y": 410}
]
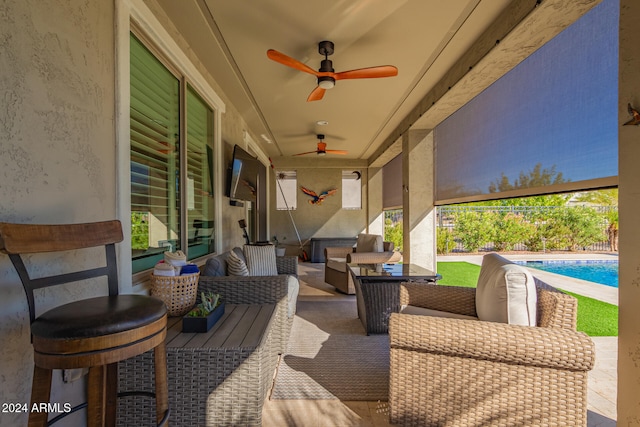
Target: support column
[
  {"x": 629, "y": 211},
  {"x": 375, "y": 214},
  {"x": 418, "y": 195}
]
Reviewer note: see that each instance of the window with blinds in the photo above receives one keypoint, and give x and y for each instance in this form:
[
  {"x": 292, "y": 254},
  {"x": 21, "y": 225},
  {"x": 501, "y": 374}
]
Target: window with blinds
[
  {"x": 157, "y": 162},
  {"x": 199, "y": 175},
  {"x": 287, "y": 184},
  {"x": 351, "y": 189}
]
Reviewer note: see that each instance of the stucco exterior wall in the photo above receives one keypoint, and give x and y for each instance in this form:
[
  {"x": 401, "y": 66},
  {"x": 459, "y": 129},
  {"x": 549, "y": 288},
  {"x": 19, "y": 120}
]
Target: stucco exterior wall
[
  {"x": 57, "y": 153},
  {"x": 325, "y": 220}
]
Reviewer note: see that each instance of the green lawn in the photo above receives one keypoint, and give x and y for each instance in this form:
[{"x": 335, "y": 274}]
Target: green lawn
[{"x": 595, "y": 318}]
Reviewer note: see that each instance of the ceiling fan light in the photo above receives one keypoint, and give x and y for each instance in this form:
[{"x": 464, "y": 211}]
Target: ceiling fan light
[
  {"x": 322, "y": 153},
  {"x": 326, "y": 82}
]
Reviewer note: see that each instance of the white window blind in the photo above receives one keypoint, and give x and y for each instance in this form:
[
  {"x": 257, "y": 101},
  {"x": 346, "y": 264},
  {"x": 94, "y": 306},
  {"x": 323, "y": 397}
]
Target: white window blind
[
  {"x": 286, "y": 190},
  {"x": 351, "y": 189}
]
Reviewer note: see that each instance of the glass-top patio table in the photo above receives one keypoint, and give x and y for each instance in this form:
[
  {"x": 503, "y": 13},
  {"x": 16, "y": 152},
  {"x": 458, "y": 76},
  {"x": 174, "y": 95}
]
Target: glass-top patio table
[
  {"x": 378, "y": 291},
  {"x": 392, "y": 272}
]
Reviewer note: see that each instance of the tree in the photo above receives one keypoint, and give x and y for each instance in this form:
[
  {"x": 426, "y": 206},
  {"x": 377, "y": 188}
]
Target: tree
[{"x": 537, "y": 177}]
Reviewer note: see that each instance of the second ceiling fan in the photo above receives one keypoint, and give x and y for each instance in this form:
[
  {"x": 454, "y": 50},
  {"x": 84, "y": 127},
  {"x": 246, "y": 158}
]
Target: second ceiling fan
[
  {"x": 322, "y": 149},
  {"x": 326, "y": 75}
]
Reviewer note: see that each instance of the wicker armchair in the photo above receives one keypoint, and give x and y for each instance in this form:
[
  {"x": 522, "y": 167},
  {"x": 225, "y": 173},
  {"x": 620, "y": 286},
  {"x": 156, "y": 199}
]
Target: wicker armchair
[
  {"x": 336, "y": 272},
  {"x": 452, "y": 372}
]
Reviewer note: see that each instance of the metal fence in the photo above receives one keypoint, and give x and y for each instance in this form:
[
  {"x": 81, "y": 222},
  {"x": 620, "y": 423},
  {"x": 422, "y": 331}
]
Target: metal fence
[{"x": 445, "y": 219}]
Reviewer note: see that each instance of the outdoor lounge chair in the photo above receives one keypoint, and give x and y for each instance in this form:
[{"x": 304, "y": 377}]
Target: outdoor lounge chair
[
  {"x": 369, "y": 249},
  {"x": 466, "y": 372}
]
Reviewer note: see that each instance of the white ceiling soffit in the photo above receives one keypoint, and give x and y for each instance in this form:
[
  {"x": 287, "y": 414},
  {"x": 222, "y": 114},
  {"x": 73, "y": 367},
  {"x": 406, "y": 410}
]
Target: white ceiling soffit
[{"x": 423, "y": 38}]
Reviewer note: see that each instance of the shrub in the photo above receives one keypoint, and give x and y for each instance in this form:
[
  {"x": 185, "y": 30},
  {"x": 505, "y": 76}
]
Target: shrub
[
  {"x": 573, "y": 228},
  {"x": 445, "y": 241},
  {"x": 472, "y": 229},
  {"x": 509, "y": 229},
  {"x": 393, "y": 233}
]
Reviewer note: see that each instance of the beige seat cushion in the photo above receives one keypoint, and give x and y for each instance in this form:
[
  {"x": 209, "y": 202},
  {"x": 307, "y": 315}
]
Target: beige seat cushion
[
  {"x": 420, "y": 311},
  {"x": 369, "y": 243},
  {"x": 338, "y": 264},
  {"x": 506, "y": 292}
]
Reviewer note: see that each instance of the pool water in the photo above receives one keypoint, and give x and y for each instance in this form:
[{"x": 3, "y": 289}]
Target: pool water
[{"x": 603, "y": 272}]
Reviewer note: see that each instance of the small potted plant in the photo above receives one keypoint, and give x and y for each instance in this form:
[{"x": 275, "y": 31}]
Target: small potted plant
[
  {"x": 203, "y": 316},
  {"x": 280, "y": 250}
]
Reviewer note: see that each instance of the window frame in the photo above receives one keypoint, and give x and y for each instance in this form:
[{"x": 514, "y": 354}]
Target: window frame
[
  {"x": 134, "y": 16},
  {"x": 346, "y": 173},
  {"x": 291, "y": 175}
]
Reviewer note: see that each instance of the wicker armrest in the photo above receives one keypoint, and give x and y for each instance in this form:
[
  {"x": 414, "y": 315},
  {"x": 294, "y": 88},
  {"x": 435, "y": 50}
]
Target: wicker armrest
[
  {"x": 498, "y": 342},
  {"x": 373, "y": 257},
  {"x": 287, "y": 264},
  {"x": 257, "y": 290},
  {"x": 452, "y": 299},
  {"x": 246, "y": 289},
  {"x": 337, "y": 252}
]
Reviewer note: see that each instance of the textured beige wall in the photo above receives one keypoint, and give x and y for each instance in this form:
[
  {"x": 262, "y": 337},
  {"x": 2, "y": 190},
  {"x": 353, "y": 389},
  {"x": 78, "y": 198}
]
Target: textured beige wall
[
  {"x": 58, "y": 155},
  {"x": 57, "y": 152},
  {"x": 325, "y": 220},
  {"x": 629, "y": 207}
]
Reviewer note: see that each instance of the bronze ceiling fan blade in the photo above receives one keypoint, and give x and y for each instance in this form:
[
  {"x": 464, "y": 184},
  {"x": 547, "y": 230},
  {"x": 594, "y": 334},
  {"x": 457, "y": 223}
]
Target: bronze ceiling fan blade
[
  {"x": 283, "y": 59},
  {"x": 368, "y": 73},
  {"x": 337, "y": 151},
  {"x": 308, "y": 152},
  {"x": 317, "y": 94}
]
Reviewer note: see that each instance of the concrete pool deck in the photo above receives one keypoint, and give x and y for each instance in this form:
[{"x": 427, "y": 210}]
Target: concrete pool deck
[{"x": 603, "y": 379}]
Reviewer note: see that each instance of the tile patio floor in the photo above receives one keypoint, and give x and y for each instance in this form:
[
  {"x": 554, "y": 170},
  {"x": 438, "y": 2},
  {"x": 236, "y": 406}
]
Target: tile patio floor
[{"x": 325, "y": 413}]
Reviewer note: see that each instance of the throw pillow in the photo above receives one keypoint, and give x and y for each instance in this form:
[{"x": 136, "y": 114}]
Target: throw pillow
[
  {"x": 506, "y": 292},
  {"x": 236, "y": 266},
  {"x": 261, "y": 260},
  {"x": 369, "y": 243}
]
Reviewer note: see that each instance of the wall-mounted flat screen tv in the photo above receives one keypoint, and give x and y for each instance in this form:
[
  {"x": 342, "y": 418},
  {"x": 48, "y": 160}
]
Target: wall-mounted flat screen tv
[{"x": 242, "y": 183}]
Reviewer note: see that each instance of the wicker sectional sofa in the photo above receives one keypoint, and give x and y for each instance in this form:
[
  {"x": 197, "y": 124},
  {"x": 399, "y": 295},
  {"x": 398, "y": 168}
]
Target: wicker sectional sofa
[
  {"x": 463, "y": 372},
  {"x": 216, "y": 384},
  {"x": 281, "y": 290}
]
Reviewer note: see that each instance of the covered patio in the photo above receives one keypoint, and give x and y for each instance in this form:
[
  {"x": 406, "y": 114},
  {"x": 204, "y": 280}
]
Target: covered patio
[{"x": 71, "y": 151}]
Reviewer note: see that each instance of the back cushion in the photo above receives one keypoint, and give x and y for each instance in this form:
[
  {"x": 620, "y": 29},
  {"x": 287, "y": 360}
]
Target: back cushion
[
  {"x": 369, "y": 243},
  {"x": 261, "y": 260},
  {"x": 506, "y": 292},
  {"x": 216, "y": 266}
]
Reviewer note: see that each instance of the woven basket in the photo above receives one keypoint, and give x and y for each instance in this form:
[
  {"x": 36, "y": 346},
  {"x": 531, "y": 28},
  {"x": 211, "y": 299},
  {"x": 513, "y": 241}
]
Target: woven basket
[{"x": 178, "y": 292}]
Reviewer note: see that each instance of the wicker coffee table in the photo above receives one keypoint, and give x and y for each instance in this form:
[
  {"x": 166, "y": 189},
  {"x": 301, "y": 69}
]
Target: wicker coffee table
[
  {"x": 378, "y": 291},
  {"x": 216, "y": 378}
]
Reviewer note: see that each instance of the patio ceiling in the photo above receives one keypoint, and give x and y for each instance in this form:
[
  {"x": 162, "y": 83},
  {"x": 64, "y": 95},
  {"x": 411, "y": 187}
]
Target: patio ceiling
[{"x": 446, "y": 52}]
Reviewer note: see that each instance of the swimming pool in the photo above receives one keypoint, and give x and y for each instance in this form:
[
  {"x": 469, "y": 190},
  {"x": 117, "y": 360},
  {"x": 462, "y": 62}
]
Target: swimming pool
[{"x": 603, "y": 272}]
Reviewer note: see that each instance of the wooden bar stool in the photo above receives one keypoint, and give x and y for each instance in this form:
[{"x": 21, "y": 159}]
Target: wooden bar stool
[{"x": 94, "y": 333}]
